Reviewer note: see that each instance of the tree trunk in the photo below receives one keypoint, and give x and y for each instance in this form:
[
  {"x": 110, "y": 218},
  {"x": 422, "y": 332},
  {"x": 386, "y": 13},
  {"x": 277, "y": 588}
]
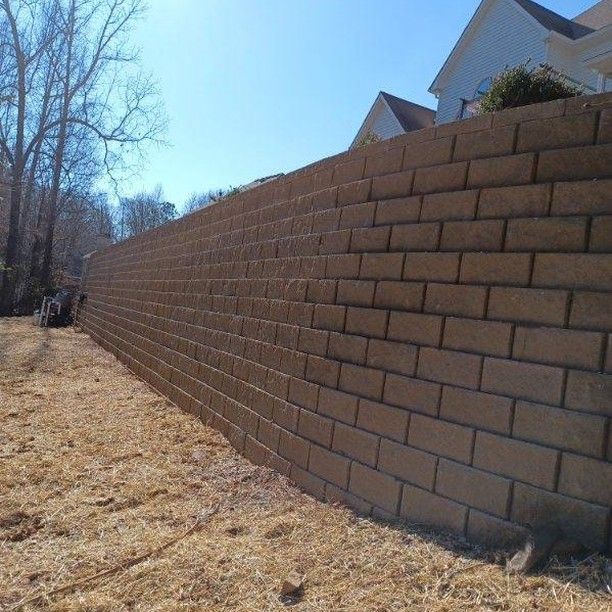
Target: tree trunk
[
  {"x": 9, "y": 273},
  {"x": 46, "y": 275},
  {"x": 35, "y": 254},
  {"x": 46, "y": 272},
  {"x": 7, "y": 289}
]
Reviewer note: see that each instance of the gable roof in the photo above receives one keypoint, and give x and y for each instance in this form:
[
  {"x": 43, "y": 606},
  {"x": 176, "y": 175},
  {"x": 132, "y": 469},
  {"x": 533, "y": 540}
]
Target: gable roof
[
  {"x": 597, "y": 16},
  {"x": 410, "y": 115},
  {"x": 546, "y": 19},
  {"x": 553, "y": 21}
]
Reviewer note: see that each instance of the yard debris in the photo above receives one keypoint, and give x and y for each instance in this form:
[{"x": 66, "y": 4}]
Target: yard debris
[
  {"x": 19, "y": 526},
  {"x": 535, "y": 550},
  {"x": 120, "y": 566},
  {"x": 542, "y": 542},
  {"x": 292, "y": 585},
  {"x": 134, "y": 553},
  {"x": 100, "y": 501}
]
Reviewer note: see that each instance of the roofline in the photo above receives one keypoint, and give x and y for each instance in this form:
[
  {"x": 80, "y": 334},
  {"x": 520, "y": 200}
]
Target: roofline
[
  {"x": 386, "y": 93},
  {"x": 435, "y": 88},
  {"x": 381, "y": 97},
  {"x": 365, "y": 121},
  {"x": 603, "y": 32}
]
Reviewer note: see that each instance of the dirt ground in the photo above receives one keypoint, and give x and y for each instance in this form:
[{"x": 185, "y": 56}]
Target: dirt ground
[{"x": 97, "y": 472}]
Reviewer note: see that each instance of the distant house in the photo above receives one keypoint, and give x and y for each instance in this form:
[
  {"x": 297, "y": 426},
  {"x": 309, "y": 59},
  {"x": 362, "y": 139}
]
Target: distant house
[
  {"x": 506, "y": 33},
  {"x": 391, "y": 116}
]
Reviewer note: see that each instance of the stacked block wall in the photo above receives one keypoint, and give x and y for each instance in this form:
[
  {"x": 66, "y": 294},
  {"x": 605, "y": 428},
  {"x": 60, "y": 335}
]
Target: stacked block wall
[{"x": 419, "y": 328}]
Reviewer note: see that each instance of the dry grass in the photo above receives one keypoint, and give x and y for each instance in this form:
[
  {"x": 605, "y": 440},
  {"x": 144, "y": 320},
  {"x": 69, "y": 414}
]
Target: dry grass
[{"x": 96, "y": 469}]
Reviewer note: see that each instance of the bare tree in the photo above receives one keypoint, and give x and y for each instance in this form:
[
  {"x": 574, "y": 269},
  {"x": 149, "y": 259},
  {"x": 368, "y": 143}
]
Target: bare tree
[
  {"x": 25, "y": 33},
  {"x": 97, "y": 95},
  {"x": 144, "y": 211},
  {"x": 200, "y": 200}
]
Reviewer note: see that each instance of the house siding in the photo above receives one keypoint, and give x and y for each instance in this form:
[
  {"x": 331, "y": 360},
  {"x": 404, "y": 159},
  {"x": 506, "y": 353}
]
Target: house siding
[
  {"x": 384, "y": 124},
  {"x": 505, "y": 37},
  {"x": 381, "y": 121},
  {"x": 570, "y": 65},
  {"x": 570, "y": 62}
]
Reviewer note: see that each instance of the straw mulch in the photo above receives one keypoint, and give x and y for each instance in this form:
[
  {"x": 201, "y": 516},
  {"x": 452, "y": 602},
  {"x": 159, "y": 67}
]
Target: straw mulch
[{"x": 97, "y": 472}]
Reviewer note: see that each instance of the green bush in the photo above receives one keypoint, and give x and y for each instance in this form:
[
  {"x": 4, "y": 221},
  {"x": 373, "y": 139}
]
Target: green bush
[
  {"x": 521, "y": 86},
  {"x": 366, "y": 139}
]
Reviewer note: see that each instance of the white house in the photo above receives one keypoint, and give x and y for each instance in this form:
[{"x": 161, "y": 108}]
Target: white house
[
  {"x": 506, "y": 33},
  {"x": 391, "y": 116}
]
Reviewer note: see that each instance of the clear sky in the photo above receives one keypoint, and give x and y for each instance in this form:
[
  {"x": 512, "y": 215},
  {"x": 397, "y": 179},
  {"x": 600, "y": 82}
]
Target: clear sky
[{"x": 256, "y": 87}]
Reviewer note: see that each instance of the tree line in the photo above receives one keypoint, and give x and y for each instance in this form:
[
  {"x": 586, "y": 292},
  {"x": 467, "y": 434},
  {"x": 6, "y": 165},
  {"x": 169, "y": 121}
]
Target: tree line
[{"x": 76, "y": 111}]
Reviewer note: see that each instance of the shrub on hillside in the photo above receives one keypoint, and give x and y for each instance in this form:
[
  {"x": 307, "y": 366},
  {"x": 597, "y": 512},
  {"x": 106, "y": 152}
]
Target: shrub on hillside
[
  {"x": 366, "y": 139},
  {"x": 521, "y": 86}
]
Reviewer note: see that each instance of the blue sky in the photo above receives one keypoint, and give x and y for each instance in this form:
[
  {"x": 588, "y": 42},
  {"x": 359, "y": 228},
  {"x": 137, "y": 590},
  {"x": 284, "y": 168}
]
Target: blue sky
[{"x": 255, "y": 87}]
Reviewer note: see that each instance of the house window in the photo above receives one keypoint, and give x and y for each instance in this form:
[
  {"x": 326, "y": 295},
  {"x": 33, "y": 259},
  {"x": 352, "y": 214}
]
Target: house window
[
  {"x": 469, "y": 108},
  {"x": 483, "y": 87}
]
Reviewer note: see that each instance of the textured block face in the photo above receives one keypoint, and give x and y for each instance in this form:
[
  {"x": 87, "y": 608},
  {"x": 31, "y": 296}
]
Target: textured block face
[
  {"x": 423, "y": 507},
  {"x": 407, "y": 463},
  {"x": 449, "y": 206},
  {"x": 516, "y": 201},
  {"x": 386, "y": 163},
  {"x": 582, "y": 197},
  {"x": 515, "y": 459},
  {"x": 558, "y": 132},
  {"x": 456, "y": 300},
  {"x": 502, "y": 171},
  {"x": 477, "y": 488},
  {"x": 564, "y": 347},
  {"x": 419, "y": 329},
  {"x": 472, "y": 236},
  {"x": 577, "y": 271},
  {"x": 556, "y": 234},
  {"x": 392, "y": 185},
  {"x": 415, "y": 237},
  {"x": 432, "y": 153},
  {"x": 574, "y": 164},
  {"x": 481, "y": 410},
  {"x": 398, "y": 210},
  {"x": 356, "y": 444},
  {"x": 399, "y": 295},
  {"x": 485, "y": 143},
  {"x": 437, "y": 179},
  {"x": 582, "y": 433},
  {"x": 376, "y": 487},
  {"x": 523, "y": 380},
  {"x": 388, "y": 421},
  {"x": 548, "y": 307},
  {"x": 482, "y": 337}
]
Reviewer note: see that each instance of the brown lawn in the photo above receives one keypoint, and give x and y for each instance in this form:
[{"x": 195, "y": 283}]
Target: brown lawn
[{"x": 97, "y": 472}]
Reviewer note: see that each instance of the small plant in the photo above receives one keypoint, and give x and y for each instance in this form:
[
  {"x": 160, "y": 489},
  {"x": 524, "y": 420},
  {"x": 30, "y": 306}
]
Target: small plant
[
  {"x": 521, "y": 86},
  {"x": 366, "y": 139}
]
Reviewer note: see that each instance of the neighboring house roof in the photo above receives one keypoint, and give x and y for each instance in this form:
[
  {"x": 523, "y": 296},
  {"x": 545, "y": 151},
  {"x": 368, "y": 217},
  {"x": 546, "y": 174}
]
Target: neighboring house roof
[
  {"x": 406, "y": 117},
  {"x": 410, "y": 115},
  {"x": 596, "y": 17},
  {"x": 553, "y": 21}
]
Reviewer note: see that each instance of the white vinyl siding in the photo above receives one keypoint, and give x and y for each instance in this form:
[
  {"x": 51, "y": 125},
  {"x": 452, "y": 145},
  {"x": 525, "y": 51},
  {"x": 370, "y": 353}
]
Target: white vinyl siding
[
  {"x": 504, "y": 37},
  {"x": 380, "y": 121},
  {"x": 384, "y": 123},
  {"x": 571, "y": 57},
  {"x": 571, "y": 65}
]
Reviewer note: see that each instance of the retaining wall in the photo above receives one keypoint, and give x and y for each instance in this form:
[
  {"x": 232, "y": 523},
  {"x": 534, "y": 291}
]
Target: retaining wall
[{"x": 419, "y": 328}]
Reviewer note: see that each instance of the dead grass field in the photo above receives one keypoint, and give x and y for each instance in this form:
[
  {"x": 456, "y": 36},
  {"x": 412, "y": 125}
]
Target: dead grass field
[{"x": 96, "y": 469}]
